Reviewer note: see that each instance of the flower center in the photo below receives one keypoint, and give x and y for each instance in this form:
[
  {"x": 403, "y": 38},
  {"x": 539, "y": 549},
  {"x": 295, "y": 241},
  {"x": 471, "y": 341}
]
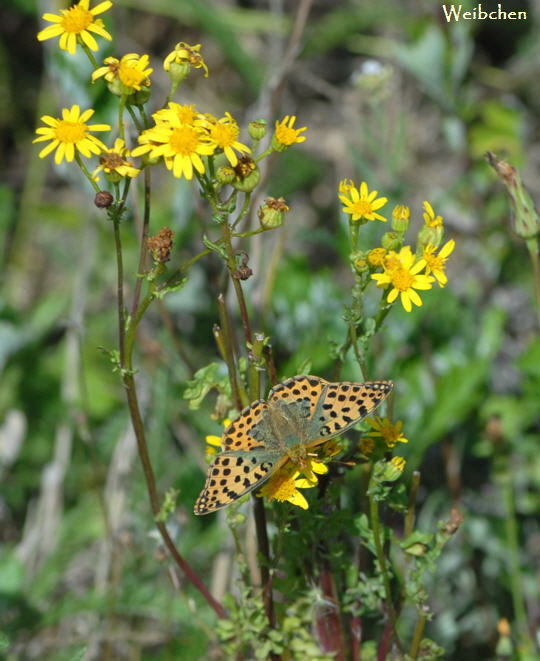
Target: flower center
[
  {"x": 286, "y": 135},
  {"x": 130, "y": 76},
  {"x": 184, "y": 140},
  {"x": 434, "y": 262},
  {"x": 362, "y": 207},
  {"x": 402, "y": 279},
  {"x": 224, "y": 135},
  {"x": 76, "y": 20},
  {"x": 186, "y": 114},
  {"x": 112, "y": 161},
  {"x": 70, "y": 131}
]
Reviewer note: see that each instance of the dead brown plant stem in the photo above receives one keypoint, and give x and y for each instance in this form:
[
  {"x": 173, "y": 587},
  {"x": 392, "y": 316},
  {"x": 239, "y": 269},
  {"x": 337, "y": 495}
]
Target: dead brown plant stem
[{"x": 126, "y": 368}]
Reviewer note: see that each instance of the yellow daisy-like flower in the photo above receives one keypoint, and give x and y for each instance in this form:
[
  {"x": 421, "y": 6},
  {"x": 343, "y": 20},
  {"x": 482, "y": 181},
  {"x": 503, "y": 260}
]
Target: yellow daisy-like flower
[
  {"x": 223, "y": 133},
  {"x": 284, "y": 487},
  {"x": 285, "y": 134},
  {"x": 388, "y": 431},
  {"x": 175, "y": 112},
  {"x": 184, "y": 54},
  {"x": 70, "y": 135},
  {"x": 180, "y": 145},
  {"x": 213, "y": 442},
  {"x": 113, "y": 162},
  {"x": 436, "y": 263},
  {"x": 362, "y": 204},
  {"x": 76, "y": 25},
  {"x": 430, "y": 219},
  {"x": 376, "y": 256},
  {"x": 401, "y": 272},
  {"x": 366, "y": 446},
  {"x": 131, "y": 71}
]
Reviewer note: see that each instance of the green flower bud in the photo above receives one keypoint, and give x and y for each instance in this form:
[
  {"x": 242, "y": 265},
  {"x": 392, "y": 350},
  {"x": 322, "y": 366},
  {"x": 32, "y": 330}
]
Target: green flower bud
[
  {"x": 525, "y": 220},
  {"x": 247, "y": 175},
  {"x": 392, "y": 241},
  {"x": 225, "y": 175},
  {"x": 272, "y": 212},
  {"x": 400, "y": 218},
  {"x": 257, "y": 129},
  {"x": 429, "y": 236}
]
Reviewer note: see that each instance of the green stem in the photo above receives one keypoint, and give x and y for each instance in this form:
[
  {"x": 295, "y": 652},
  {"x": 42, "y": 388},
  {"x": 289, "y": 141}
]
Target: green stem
[
  {"x": 231, "y": 264},
  {"x": 125, "y": 345},
  {"x": 121, "y": 127},
  {"x": 410, "y": 516},
  {"x": 89, "y": 53},
  {"x": 87, "y": 174},
  {"x": 532, "y": 245},
  {"x": 134, "y": 117},
  {"x": 243, "y": 210},
  {"x": 225, "y": 341},
  {"x": 144, "y": 235},
  {"x": 381, "y": 558},
  {"x": 417, "y": 637},
  {"x": 515, "y": 573}
]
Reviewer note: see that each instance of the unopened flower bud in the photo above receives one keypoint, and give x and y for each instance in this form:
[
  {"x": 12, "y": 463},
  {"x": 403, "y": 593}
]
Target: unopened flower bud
[
  {"x": 392, "y": 240},
  {"x": 140, "y": 97},
  {"x": 272, "y": 212},
  {"x": 389, "y": 471},
  {"x": 400, "y": 218},
  {"x": 359, "y": 261},
  {"x": 429, "y": 236},
  {"x": 247, "y": 175},
  {"x": 103, "y": 199},
  {"x": 257, "y": 129},
  {"x": 225, "y": 175},
  {"x": 525, "y": 220}
]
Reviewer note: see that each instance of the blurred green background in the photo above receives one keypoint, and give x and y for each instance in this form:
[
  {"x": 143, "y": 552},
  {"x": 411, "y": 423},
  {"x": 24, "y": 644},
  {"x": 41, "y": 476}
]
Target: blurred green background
[{"x": 392, "y": 94}]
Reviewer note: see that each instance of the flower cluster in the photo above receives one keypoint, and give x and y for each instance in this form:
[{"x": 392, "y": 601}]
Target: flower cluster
[
  {"x": 393, "y": 265},
  {"x": 181, "y": 135}
]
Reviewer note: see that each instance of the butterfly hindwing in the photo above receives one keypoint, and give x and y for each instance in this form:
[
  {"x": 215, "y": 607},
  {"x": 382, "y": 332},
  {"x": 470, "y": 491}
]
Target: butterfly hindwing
[
  {"x": 344, "y": 404},
  {"x": 304, "y": 388},
  {"x": 233, "y": 474}
]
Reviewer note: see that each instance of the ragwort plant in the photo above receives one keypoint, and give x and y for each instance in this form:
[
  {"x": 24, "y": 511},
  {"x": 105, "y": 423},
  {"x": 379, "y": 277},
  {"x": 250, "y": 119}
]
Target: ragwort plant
[{"x": 335, "y": 581}]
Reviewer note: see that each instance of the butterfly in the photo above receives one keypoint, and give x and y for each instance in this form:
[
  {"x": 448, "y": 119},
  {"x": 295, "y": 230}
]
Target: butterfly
[{"x": 300, "y": 413}]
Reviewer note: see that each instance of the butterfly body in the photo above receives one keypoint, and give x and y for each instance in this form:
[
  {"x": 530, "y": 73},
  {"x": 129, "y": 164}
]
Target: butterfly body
[{"x": 300, "y": 413}]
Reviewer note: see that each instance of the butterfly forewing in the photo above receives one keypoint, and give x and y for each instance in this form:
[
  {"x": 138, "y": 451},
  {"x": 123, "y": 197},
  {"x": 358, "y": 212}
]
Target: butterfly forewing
[
  {"x": 344, "y": 404},
  {"x": 237, "y": 436},
  {"x": 233, "y": 474}
]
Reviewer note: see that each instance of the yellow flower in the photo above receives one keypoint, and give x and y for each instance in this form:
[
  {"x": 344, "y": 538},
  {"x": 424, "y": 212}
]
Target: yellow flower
[
  {"x": 223, "y": 133},
  {"x": 185, "y": 114},
  {"x": 362, "y": 204},
  {"x": 366, "y": 446},
  {"x": 213, "y": 443},
  {"x": 285, "y": 134},
  {"x": 389, "y": 432},
  {"x": 70, "y": 135},
  {"x": 131, "y": 71},
  {"x": 184, "y": 54},
  {"x": 429, "y": 216},
  {"x": 376, "y": 256},
  {"x": 401, "y": 272},
  {"x": 437, "y": 263},
  {"x": 75, "y": 25},
  {"x": 180, "y": 145},
  {"x": 113, "y": 162},
  {"x": 283, "y": 486}
]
